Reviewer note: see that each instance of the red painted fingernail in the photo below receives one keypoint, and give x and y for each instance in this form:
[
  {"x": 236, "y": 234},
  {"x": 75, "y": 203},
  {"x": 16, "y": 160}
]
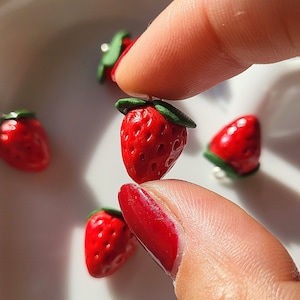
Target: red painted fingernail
[
  {"x": 156, "y": 231},
  {"x": 113, "y": 71}
]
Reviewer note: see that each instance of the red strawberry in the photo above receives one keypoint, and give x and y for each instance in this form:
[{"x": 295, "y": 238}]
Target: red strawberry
[
  {"x": 108, "y": 242},
  {"x": 23, "y": 141},
  {"x": 236, "y": 148},
  {"x": 153, "y": 135}
]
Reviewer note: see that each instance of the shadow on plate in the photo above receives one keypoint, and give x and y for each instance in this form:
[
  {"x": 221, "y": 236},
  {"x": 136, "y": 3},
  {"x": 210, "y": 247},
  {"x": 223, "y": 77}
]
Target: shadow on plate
[
  {"x": 140, "y": 279},
  {"x": 220, "y": 95},
  {"x": 273, "y": 204},
  {"x": 279, "y": 115}
]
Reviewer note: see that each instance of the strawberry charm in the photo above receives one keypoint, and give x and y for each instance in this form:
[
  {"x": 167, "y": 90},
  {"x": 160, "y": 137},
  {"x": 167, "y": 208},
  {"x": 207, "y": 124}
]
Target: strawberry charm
[
  {"x": 111, "y": 53},
  {"x": 23, "y": 141},
  {"x": 153, "y": 135},
  {"x": 108, "y": 242},
  {"x": 236, "y": 148}
]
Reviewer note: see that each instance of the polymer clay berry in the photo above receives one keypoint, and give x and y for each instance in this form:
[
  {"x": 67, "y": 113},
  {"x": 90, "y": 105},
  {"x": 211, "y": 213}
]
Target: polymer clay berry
[
  {"x": 108, "y": 242},
  {"x": 23, "y": 141},
  {"x": 111, "y": 53},
  {"x": 236, "y": 148},
  {"x": 153, "y": 135}
]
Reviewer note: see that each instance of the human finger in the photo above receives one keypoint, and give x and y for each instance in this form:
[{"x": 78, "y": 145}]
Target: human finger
[
  {"x": 210, "y": 247},
  {"x": 193, "y": 45}
]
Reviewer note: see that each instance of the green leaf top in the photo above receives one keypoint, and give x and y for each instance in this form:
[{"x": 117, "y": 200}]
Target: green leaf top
[
  {"x": 126, "y": 104},
  {"x": 101, "y": 73},
  {"x": 110, "y": 57},
  {"x": 18, "y": 114},
  {"x": 171, "y": 113},
  {"x": 109, "y": 210}
]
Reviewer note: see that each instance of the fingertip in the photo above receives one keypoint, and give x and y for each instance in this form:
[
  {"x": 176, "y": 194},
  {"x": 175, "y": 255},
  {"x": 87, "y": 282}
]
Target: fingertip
[
  {"x": 194, "y": 45},
  {"x": 176, "y": 57},
  {"x": 145, "y": 70},
  {"x": 226, "y": 251}
]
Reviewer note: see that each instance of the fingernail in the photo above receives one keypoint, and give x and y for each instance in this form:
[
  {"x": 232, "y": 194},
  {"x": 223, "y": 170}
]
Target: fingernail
[
  {"x": 113, "y": 71},
  {"x": 157, "y": 231}
]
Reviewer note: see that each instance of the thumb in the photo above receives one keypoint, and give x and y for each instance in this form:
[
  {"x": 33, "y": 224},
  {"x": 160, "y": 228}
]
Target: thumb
[
  {"x": 195, "y": 44},
  {"x": 207, "y": 244}
]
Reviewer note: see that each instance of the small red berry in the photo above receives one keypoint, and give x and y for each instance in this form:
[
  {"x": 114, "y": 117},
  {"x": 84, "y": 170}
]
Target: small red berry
[
  {"x": 153, "y": 135},
  {"x": 236, "y": 148},
  {"x": 108, "y": 242},
  {"x": 23, "y": 141}
]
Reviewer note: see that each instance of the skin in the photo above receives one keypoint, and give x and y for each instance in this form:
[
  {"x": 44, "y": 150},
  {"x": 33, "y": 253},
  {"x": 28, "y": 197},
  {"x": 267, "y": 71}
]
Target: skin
[
  {"x": 227, "y": 254},
  {"x": 210, "y": 41}
]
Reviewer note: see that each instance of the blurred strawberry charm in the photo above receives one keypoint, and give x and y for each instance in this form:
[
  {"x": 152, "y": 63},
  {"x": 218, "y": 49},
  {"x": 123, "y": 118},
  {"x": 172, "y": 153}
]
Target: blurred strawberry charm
[
  {"x": 23, "y": 141},
  {"x": 111, "y": 53},
  {"x": 153, "y": 136},
  {"x": 236, "y": 148},
  {"x": 108, "y": 242}
]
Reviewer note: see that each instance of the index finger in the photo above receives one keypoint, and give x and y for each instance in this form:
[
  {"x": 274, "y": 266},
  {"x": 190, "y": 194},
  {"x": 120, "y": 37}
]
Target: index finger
[{"x": 193, "y": 45}]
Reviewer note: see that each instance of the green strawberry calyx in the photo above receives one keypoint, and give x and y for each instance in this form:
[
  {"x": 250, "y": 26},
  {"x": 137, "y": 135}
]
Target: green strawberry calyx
[
  {"x": 18, "y": 114},
  {"x": 227, "y": 169},
  {"x": 171, "y": 113},
  {"x": 110, "y": 57},
  {"x": 109, "y": 210}
]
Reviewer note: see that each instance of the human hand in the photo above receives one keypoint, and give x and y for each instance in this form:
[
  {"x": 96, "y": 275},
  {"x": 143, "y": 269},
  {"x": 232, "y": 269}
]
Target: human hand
[
  {"x": 193, "y": 45},
  {"x": 214, "y": 249},
  {"x": 210, "y": 247}
]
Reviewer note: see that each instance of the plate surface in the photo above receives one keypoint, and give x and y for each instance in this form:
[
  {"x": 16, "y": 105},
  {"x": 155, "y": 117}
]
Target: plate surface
[{"x": 49, "y": 52}]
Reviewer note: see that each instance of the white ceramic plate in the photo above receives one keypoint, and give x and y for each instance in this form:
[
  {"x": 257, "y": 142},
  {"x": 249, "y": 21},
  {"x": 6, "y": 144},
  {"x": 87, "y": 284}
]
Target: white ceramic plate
[{"x": 49, "y": 52}]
